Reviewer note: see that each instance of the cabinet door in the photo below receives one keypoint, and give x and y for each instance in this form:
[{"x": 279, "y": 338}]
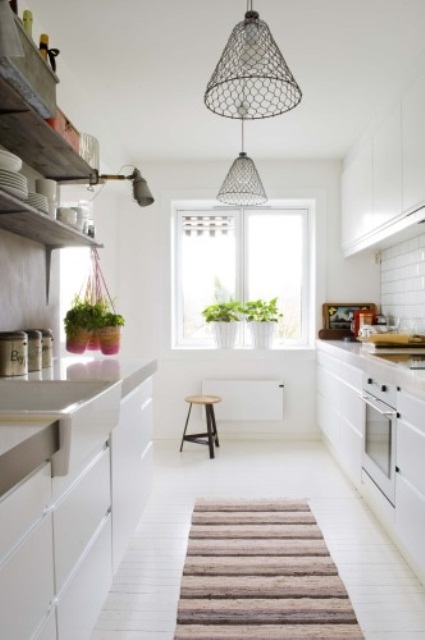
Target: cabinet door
[
  {"x": 78, "y": 514},
  {"x": 131, "y": 469},
  {"x": 387, "y": 170},
  {"x": 413, "y": 128},
  {"x": 410, "y": 518},
  {"x": 26, "y": 584},
  {"x": 357, "y": 212},
  {"x": 81, "y": 603}
]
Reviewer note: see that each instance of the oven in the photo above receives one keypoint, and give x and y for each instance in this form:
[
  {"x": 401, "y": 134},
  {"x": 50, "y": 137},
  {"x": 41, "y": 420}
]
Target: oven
[{"x": 378, "y": 452}]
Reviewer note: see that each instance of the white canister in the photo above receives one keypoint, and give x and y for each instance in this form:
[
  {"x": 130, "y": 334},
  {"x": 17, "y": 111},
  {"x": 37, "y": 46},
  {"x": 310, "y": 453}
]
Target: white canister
[
  {"x": 34, "y": 349},
  {"x": 46, "y": 348},
  {"x": 13, "y": 353}
]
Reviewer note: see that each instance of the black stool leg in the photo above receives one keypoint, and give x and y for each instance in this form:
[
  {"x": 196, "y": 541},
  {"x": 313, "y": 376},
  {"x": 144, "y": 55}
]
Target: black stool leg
[
  {"x": 185, "y": 426},
  {"x": 210, "y": 429},
  {"x": 215, "y": 432}
]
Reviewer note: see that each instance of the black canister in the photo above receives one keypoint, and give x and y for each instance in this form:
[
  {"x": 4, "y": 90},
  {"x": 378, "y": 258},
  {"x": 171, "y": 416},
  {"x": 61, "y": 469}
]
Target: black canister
[
  {"x": 34, "y": 349},
  {"x": 13, "y": 353}
]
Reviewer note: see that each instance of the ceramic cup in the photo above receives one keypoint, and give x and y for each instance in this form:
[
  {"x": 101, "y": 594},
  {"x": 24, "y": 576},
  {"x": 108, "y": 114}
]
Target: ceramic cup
[{"x": 46, "y": 187}]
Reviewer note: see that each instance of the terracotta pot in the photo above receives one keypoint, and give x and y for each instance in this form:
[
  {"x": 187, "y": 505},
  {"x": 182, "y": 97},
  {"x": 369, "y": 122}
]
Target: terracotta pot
[
  {"x": 109, "y": 340},
  {"x": 77, "y": 343}
]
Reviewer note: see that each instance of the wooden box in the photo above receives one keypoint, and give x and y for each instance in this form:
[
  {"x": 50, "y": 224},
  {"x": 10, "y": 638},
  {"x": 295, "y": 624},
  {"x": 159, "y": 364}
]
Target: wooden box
[
  {"x": 31, "y": 76},
  {"x": 66, "y": 129}
]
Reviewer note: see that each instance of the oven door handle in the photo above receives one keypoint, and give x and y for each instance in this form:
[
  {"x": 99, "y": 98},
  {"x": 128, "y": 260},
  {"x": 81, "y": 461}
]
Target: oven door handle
[{"x": 367, "y": 399}]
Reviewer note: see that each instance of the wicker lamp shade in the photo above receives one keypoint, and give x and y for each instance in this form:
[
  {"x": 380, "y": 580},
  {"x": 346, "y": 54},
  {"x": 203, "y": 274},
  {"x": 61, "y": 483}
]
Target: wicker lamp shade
[
  {"x": 251, "y": 79},
  {"x": 242, "y": 185}
]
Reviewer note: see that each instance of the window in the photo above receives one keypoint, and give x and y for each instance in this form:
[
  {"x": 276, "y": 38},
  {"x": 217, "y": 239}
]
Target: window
[{"x": 240, "y": 254}]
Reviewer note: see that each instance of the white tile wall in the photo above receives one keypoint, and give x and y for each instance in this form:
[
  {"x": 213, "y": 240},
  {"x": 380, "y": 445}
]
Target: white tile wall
[{"x": 403, "y": 282}]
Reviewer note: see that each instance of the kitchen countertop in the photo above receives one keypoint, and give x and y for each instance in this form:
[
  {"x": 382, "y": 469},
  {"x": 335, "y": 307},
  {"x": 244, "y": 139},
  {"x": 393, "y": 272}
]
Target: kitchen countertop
[
  {"x": 355, "y": 353},
  {"x": 33, "y": 441}
]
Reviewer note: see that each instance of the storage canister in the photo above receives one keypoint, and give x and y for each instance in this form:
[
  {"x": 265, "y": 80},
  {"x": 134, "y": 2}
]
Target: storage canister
[
  {"x": 13, "y": 353},
  {"x": 46, "y": 348},
  {"x": 34, "y": 349}
]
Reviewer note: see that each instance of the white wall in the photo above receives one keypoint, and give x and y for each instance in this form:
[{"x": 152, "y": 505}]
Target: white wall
[{"x": 144, "y": 277}]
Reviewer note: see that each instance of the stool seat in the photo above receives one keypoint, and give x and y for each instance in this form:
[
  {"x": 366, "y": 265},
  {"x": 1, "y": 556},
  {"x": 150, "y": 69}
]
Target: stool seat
[
  {"x": 211, "y": 436},
  {"x": 203, "y": 399}
]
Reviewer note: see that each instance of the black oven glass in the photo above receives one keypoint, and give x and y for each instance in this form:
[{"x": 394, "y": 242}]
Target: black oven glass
[{"x": 378, "y": 439}]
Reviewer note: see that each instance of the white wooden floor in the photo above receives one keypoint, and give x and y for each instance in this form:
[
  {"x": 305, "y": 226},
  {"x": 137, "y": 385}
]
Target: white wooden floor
[{"x": 388, "y": 598}]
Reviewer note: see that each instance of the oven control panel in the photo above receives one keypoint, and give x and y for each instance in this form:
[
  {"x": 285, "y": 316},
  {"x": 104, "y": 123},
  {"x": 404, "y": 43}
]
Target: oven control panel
[{"x": 380, "y": 389}]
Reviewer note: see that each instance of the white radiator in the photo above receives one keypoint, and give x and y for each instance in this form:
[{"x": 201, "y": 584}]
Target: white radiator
[{"x": 246, "y": 399}]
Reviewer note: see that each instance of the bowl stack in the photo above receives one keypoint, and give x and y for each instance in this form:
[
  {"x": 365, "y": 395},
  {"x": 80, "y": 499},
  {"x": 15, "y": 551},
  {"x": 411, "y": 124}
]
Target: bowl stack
[{"x": 11, "y": 180}]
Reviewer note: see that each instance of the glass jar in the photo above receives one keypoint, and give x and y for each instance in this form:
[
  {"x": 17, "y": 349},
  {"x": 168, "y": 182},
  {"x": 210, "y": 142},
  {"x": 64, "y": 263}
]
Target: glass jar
[
  {"x": 13, "y": 353},
  {"x": 34, "y": 349}
]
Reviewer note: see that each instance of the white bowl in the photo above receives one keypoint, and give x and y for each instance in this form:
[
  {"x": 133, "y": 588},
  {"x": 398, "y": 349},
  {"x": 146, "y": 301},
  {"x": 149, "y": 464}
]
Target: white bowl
[{"x": 67, "y": 216}]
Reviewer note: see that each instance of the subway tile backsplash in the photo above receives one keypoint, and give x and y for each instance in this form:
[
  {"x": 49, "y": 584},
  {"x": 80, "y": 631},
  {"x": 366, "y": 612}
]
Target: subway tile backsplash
[{"x": 403, "y": 280}]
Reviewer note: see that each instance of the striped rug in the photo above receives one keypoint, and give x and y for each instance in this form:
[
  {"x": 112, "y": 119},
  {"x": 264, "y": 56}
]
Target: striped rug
[{"x": 260, "y": 570}]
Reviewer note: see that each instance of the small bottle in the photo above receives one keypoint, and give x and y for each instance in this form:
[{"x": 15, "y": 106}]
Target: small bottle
[
  {"x": 27, "y": 20},
  {"x": 44, "y": 45}
]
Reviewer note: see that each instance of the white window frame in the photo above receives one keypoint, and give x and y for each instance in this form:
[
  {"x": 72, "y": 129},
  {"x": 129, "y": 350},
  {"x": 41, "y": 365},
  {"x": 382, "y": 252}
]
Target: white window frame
[{"x": 306, "y": 209}]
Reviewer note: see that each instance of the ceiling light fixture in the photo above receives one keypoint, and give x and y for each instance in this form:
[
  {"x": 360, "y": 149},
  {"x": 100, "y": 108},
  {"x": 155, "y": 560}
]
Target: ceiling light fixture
[
  {"x": 242, "y": 185},
  {"x": 251, "y": 79},
  {"x": 141, "y": 191},
  {"x": 10, "y": 42}
]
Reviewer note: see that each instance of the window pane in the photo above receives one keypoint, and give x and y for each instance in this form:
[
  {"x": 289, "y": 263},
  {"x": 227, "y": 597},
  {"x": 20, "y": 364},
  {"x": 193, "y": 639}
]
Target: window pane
[
  {"x": 274, "y": 265},
  {"x": 208, "y": 270}
]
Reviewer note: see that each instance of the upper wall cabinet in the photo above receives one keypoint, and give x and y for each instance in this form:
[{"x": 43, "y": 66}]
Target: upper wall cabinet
[
  {"x": 413, "y": 128},
  {"x": 395, "y": 172},
  {"x": 357, "y": 196},
  {"x": 387, "y": 170}
]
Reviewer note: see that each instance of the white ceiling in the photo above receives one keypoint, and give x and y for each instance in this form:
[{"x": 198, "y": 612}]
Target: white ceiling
[{"x": 141, "y": 67}]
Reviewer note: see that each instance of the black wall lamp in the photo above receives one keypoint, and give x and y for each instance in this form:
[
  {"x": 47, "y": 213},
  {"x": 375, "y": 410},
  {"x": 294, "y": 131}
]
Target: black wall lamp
[{"x": 141, "y": 191}]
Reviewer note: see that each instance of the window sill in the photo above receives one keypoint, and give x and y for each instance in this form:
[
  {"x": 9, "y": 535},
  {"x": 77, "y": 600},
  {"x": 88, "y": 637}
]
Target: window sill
[{"x": 246, "y": 353}]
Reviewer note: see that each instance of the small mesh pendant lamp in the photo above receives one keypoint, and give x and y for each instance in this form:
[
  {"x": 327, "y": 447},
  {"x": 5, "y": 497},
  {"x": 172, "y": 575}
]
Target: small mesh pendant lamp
[
  {"x": 242, "y": 185},
  {"x": 251, "y": 79}
]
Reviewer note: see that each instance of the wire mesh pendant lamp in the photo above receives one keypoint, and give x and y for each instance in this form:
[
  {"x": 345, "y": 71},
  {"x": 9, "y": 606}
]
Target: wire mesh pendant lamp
[
  {"x": 251, "y": 79},
  {"x": 242, "y": 185}
]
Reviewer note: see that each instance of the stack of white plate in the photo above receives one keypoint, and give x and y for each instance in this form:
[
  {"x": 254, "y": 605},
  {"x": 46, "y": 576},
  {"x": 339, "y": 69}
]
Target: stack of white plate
[
  {"x": 38, "y": 201},
  {"x": 14, "y": 183},
  {"x": 9, "y": 161}
]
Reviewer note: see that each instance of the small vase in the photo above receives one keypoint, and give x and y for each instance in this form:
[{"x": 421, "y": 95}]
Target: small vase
[
  {"x": 77, "y": 343},
  {"x": 109, "y": 340},
  {"x": 225, "y": 334},
  {"x": 262, "y": 334}
]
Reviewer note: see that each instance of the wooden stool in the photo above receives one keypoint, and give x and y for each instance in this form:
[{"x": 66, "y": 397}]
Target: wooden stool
[{"x": 203, "y": 438}]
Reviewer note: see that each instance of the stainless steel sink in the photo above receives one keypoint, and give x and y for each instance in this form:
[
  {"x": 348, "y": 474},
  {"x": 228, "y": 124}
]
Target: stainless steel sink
[
  {"x": 410, "y": 359},
  {"x": 86, "y": 411}
]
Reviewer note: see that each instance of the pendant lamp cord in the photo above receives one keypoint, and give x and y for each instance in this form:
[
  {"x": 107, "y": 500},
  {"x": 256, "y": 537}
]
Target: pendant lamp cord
[
  {"x": 249, "y": 5},
  {"x": 243, "y": 141}
]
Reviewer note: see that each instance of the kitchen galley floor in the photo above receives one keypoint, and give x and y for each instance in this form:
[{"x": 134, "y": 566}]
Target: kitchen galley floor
[{"x": 388, "y": 599}]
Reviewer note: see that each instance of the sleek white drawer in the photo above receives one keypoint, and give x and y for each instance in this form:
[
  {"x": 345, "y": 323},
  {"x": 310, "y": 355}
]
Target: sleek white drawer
[
  {"x": 411, "y": 410},
  {"x": 410, "y": 454},
  {"x": 78, "y": 514},
  {"x": 83, "y": 598},
  {"x": 22, "y": 506},
  {"x": 410, "y": 518},
  {"x": 26, "y": 584}
]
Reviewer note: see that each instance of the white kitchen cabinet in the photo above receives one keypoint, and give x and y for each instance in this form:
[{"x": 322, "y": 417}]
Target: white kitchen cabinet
[
  {"x": 357, "y": 196},
  {"x": 410, "y": 478},
  {"x": 132, "y": 465},
  {"x": 27, "y": 583},
  {"x": 340, "y": 412},
  {"x": 84, "y": 595},
  {"x": 78, "y": 512},
  {"x": 387, "y": 169},
  {"x": 413, "y": 127}
]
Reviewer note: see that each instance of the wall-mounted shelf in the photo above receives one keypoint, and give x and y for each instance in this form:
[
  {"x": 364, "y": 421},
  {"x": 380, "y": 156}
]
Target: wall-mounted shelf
[
  {"x": 24, "y": 132},
  {"x": 19, "y": 217}
]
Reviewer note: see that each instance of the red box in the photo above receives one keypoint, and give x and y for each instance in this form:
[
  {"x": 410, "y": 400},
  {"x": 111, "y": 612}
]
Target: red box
[{"x": 66, "y": 129}]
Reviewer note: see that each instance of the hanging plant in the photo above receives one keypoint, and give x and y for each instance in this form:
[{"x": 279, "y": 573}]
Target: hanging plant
[{"x": 91, "y": 315}]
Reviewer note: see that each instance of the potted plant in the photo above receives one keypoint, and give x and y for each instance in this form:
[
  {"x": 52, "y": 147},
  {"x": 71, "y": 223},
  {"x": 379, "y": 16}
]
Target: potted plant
[
  {"x": 262, "y": 318},
  {"x": 224, "y": 317},
  {"x": 78, "y": 325},
  {"x": 109, "y": 332}
]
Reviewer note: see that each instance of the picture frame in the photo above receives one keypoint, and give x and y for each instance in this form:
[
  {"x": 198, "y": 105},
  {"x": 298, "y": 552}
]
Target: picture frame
[{"x": 339, "y": 315}]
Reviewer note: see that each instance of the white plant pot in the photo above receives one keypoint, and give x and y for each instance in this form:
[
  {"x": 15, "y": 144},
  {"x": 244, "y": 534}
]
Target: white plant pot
[
  {"x": 262, "y": 334},
  {"x": 225, "y": 334}
]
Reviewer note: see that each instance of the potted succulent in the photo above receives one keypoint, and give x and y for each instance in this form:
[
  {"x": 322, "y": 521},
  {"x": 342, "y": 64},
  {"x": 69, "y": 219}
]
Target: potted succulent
[
  {"x": 224, "y": 317},
  {"x": 262, "y": 317}
]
